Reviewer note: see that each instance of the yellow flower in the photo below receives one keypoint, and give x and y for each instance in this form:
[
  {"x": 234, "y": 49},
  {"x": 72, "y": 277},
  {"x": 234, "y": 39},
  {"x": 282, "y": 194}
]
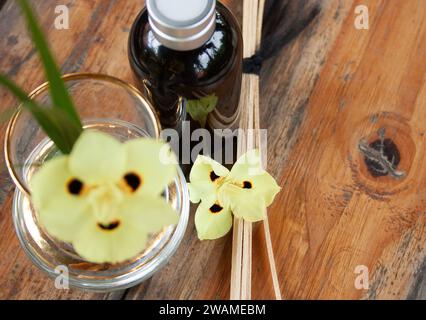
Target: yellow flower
[
  {"x": 249, "y": 189},
  {"x": 105, "y": 197},
  {"x": 246, "y": 192},
  {"x": 205, "y": 178},
  {"x": 212, "y": 219}
]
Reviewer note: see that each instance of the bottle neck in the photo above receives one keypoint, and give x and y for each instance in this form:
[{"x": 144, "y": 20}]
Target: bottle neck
[{"x": 182, "y": 35}]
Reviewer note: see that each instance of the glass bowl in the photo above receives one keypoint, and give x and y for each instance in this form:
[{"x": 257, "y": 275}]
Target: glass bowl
[{"x": 106, "y": 104}]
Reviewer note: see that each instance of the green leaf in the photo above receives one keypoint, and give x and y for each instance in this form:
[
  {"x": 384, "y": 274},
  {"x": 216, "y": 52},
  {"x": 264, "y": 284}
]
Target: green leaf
[
  {"x": 200, "y": 109},
  {"x": 60, "y": 96},
  {"x": 55, "y": 122}
]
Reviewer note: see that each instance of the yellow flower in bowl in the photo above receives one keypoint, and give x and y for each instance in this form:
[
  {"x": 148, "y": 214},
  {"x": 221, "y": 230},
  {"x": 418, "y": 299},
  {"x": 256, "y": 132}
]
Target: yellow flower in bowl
[{"x": 105, "y": 198}]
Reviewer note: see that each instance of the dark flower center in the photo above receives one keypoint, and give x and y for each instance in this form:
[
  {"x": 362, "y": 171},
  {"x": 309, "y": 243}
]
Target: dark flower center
[
  {"x": 109, "y": 227},
  {"x": 215, "y": 208},
  {"x": 75, "y": 187},
  {"x": 133, "y": 181},
  {"x": 213, "y": 176},
  {"x": 247, "y": 185}
]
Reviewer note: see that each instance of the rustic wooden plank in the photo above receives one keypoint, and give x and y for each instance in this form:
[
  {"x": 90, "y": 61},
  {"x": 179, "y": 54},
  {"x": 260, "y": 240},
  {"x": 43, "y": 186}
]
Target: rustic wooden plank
[
  {"x": 323, "y": 223},
  {"x": 287, "y": 82},
  {"x": 333, "y": 214}
]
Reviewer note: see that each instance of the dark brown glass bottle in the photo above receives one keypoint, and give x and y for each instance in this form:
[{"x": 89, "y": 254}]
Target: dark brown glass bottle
[{"x": 190, "y": 69}]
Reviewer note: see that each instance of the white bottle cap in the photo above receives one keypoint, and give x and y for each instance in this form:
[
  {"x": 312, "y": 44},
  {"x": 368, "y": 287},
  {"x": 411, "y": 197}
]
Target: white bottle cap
[{"x": 182, "y": 24}]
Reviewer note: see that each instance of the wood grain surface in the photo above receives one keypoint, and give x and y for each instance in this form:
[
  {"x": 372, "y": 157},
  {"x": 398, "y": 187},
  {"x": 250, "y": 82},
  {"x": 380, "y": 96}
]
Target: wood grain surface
[{"x": 328, "y": 93}]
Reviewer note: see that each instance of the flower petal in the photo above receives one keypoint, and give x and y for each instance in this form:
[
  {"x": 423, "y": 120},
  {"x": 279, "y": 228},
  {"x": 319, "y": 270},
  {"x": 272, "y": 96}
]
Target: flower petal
[
  {"x": 202, "y": 168},
  {"x": 154, "y": 161},
  {"x": 247, "y": 165},
  {"x": 253, "y": 179},
  {"x": 245, "y": 204},
  {"x": 59, "y": 211},
  {"x": 149, "y": 213},
  {"x": 109, "y": 246},
  {"x": 205, "y": 178},
  {"x": 97, "y": 158},
  {"x": 127, "y": 234},
  {"x": 200, "y": 190},
  {"x": 212, "y": 221}
]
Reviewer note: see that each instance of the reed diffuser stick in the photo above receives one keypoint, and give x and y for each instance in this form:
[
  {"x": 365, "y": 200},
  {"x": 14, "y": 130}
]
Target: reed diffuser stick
[{"x": 249, "y": 138}]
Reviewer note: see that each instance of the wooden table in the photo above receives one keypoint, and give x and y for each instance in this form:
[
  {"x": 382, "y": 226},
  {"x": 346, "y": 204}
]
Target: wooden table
[{"x": 326, "y": 97}]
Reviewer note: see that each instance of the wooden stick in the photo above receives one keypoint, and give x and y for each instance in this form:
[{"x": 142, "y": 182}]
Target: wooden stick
[
  {"x": 237, "y": 239},
  {"x": 242, "y": 237},
  {"x": 259, "y": 24},
  {"x": 249, "y": 138}
]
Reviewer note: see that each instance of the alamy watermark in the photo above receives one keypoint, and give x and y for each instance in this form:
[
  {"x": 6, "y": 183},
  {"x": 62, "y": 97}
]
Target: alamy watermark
[
  {"x": 362, "y": 17},
  {"x": 62, "y": 280},
  {"x": 362, "y": 278},
  {"x": 220, "y": 144},
  {"x": 62, "y": 20}
]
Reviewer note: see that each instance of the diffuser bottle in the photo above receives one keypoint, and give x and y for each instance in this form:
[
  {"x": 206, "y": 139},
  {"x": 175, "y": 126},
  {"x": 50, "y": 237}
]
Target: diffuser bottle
[{"x": 187, "y": 57}]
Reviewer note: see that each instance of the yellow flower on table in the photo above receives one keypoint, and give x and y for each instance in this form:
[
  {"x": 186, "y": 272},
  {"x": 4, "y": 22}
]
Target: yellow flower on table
[
  {"x": 106, "y": 197},
  {"x": 245, "y": 191},
  {"x": 249, "y": 189},
  {"x": 212, "y": 219}
]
